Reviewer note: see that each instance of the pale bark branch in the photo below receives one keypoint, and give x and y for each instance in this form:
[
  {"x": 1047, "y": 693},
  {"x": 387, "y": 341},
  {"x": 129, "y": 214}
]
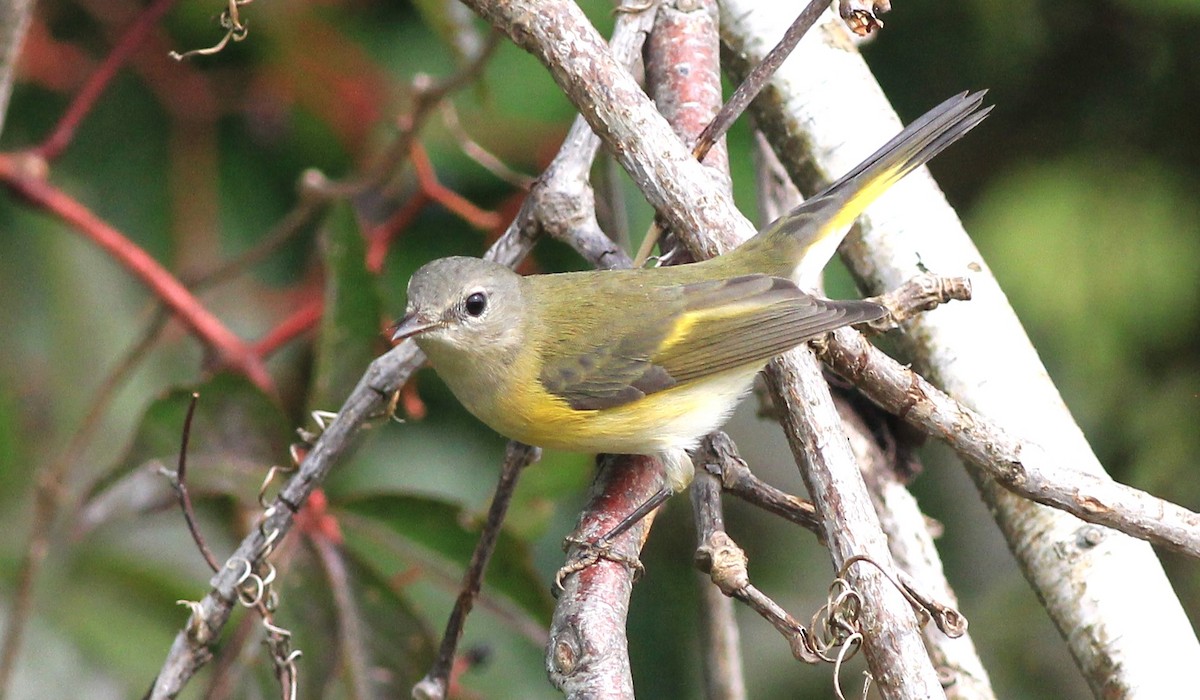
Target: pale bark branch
[
  {"x": 823, "y": 114},
  {"x": 1023, "y": 467},
  {"x": 816, "y": 428},
  {"x": 14, "y": 21},
  {"x": 959, "y": 667}
]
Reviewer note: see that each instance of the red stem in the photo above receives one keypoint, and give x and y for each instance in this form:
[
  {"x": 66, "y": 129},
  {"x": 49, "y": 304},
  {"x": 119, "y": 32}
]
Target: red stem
[
  {"x": 183, "y": 305},
  {"x": 301, "y": 320},
  {"x": 384, "y": 234},
  {"x": 98, "y": 81},
  {"x": 461, "y": 206}
]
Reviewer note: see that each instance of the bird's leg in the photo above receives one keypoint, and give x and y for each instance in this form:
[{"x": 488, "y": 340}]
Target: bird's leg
[
  {"x": 588, "y": 553},
  {"x": 678, "y": 474}
]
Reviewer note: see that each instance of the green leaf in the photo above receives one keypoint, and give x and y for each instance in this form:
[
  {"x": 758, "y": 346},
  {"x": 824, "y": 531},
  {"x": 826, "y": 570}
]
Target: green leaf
[
  {"x": 398, "y": 640},
  {"x": 237, "y": 434},
  {"x": 126, "y": 615},
  {"x": 447, "y": 530},
  {"x": 349, "y": 335}
]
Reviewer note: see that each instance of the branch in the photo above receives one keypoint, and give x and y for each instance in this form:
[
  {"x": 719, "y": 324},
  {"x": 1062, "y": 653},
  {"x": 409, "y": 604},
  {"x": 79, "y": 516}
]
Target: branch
[
  {"x": 351, "y": 635},
  {"x": 15, "y": 172},
  {"x": 737, "y": 480},
  {"x": 14, "y": 22},
  {"x": 814, "y": 431},
  {"x": 1099, "y": 596},
  {"x": 436, "y": 682},
  {"x": 588, "y": 649},
  {"x": 179, "y": 483},
  {"x": 100, "y": 79},
  {"x": 558, "y": 189},
  {"x": 1022, "y": 467},
  {"x": 724, "y": 674},
  {"x": 910, "y": 540}
]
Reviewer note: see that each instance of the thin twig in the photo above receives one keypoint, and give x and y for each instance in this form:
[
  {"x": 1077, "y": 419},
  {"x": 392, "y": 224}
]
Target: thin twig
[
  {"x": 478, "y": 153},
  {"x": 427, "y": 94},
  {"x": 721, "y": 459},
  {"x": 718, "y": 556},
  {"x": 724, "y": 675},
  {"x": 754, "y": 82},
  {"x": 304, "y": 318},
  {"x": 460, "y": 206},
  {"x": 383, "y": 234},
  {"x": 179, "y": 483},
  {"x": 350, "y": 633},
  {"x": 436, "y": 682}
]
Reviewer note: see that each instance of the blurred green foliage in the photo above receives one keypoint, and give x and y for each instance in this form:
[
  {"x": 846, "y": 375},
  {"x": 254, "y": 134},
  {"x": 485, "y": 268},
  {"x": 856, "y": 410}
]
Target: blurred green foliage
[{"x": 1080, "y": 190}]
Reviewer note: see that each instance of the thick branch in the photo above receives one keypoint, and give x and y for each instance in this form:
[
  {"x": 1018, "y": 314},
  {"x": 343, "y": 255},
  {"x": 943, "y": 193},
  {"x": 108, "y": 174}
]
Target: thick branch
[
  {"x": 909, "y": 538},
  {"x": 825, "y": 113},
  {"x": 588, "y": 655}
]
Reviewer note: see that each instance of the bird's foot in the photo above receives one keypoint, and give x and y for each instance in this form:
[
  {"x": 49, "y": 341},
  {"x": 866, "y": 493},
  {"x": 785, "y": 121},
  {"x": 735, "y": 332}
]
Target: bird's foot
[{"x": 587, "y": 553}]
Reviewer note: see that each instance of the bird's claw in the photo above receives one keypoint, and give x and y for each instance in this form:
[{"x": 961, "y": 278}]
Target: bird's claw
[{"x": 587, "y": 553}]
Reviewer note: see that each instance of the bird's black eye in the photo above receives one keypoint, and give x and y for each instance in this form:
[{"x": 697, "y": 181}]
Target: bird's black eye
[{"x": 476, "y": 304}]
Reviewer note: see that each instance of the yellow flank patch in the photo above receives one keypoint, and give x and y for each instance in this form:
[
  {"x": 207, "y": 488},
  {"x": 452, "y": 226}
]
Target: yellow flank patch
[{"x": 673, "y": 418}]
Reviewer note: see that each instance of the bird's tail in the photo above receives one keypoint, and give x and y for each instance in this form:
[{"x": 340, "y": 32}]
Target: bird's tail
[{"x": 807, "y": 237}]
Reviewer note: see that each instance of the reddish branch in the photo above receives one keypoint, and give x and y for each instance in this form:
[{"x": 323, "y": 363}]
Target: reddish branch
[
  {"x": 98, "y": 81},
  {"x": 229, "y": 348},
  {"x": 381, "y": 237},
  {"x": 300, "y": 321},
  {"x": 455, "y": 202}
]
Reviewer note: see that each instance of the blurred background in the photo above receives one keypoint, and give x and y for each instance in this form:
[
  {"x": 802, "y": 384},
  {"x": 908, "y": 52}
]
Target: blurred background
[{"x": 1080, "y": 189}]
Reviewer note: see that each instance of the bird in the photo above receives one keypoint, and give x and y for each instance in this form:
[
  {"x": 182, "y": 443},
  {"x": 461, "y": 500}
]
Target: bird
[{"x": 650, "y": 360}]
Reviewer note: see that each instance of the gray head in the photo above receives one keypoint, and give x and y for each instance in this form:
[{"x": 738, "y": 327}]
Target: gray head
[{"x": 464, "y": 303}]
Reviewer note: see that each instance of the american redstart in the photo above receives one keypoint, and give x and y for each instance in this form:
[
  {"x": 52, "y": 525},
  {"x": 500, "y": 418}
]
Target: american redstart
[{"x": 648, "y": 361}]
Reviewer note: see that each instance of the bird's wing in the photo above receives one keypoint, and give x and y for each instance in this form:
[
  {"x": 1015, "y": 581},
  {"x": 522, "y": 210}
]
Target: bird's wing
[{"x": 703, "y": 329}]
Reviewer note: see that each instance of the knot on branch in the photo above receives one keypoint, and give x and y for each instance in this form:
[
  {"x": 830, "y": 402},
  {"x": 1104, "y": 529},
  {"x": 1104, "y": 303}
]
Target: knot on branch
[
  {"x": 924, "y": 292},
  {"x": 724, "y": 562}
]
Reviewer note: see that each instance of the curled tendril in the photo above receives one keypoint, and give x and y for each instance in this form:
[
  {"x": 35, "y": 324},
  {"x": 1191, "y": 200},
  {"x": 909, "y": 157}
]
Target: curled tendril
[
  {"x": 235, "y": 30},
  {"x": 846, "y": 651}
]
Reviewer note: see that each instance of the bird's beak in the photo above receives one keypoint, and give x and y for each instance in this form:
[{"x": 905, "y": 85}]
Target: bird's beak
[{"x": 413, "y": 324}]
